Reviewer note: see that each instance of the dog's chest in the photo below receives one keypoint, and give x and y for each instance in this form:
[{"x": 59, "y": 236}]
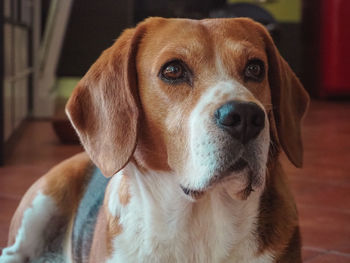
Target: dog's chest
[{"x": 167, "y": 228}]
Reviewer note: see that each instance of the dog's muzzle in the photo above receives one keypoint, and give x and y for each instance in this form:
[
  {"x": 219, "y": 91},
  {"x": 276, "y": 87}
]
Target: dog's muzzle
[{"x": 237, "y": 150}]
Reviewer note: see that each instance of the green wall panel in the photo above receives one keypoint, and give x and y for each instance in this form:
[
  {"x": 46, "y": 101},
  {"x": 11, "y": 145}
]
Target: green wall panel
[{"x": 283, "y": 10}]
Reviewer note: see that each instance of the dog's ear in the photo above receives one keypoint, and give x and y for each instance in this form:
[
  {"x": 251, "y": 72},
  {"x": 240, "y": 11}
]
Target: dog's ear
[
  {"x": 104, "y": 107},
  {"x": 290, "y": 102}
]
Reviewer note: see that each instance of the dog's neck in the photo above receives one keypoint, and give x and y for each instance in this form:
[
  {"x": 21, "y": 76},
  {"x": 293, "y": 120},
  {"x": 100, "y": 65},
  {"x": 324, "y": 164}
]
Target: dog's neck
[{"x": 161, "y": 220}]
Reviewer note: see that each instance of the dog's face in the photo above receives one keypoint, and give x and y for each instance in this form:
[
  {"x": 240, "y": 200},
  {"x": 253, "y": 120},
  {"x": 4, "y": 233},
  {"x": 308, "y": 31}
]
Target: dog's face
[
  {"x": 205, "y": 101},
  {"x": 196, "y": 98}
]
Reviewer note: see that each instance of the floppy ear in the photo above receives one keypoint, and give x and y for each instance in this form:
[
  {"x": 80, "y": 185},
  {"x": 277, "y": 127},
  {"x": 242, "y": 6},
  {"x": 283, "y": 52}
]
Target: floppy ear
[
  {"x": 104, "y": 107},
  {"x": 290, "y": 102}
]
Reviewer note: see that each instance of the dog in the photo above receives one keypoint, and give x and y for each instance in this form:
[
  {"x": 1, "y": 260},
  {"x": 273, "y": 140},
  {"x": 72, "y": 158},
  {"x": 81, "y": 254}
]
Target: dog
[{"x": 186, "y": 120}]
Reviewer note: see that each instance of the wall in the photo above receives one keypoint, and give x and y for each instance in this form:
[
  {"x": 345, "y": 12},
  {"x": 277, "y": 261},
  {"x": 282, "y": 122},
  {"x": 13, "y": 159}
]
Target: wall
[
  {"x": 283, "y": 10},
  {"x": 93, "y": 26}
]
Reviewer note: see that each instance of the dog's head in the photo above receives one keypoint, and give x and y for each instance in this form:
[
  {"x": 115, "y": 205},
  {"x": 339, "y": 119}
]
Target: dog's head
[{"x": 201, "y": 99}]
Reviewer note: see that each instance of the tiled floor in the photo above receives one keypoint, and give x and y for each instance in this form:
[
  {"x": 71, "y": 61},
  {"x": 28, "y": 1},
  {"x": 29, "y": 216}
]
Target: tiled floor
[{"x": 321, "y": 188}]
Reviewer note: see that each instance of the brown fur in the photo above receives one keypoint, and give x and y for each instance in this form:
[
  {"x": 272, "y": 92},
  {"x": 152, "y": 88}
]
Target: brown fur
[
  {"x": 103, "y": 107},
  {"x": 65, "y": 182},
  {"x": 123, "y": 192},
  {"x": 100, "y": 250},
  {"x": 107, "y": 227},
  {"x": 276, "y": 228}
]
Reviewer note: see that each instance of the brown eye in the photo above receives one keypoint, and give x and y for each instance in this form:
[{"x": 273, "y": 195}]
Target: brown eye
[
  {"x": 254, "y": 70},
  {"x": 175, "y": 72}
]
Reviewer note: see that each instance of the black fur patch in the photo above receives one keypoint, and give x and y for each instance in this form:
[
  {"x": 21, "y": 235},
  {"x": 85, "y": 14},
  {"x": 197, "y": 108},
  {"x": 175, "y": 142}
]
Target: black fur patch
[{"x": 85, "y": 220}]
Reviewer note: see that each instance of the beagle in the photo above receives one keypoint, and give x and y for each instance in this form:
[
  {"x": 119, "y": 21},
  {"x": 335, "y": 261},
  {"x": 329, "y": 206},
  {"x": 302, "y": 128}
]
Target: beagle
[{"x": 186, "y": 120}]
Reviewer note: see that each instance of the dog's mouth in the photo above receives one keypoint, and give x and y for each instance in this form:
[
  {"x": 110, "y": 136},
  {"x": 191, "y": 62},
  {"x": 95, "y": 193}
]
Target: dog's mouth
[
  {"x": 222, "y": 176},
  {"x": 192, "y": 193}
]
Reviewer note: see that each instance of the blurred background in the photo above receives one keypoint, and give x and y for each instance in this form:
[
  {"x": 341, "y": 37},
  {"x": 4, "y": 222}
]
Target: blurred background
[{"x": 46, "y": 46}]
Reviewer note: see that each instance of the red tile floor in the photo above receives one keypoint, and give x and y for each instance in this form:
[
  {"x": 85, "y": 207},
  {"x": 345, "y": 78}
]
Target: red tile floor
[{"x": 321, "y": 188}]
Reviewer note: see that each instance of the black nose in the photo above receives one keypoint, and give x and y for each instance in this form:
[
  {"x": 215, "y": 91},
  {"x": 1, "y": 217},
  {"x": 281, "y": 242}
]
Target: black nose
[{"x": 243, "y": 120}]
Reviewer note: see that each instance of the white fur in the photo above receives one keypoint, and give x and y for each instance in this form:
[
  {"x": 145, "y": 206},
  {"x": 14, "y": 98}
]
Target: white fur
[
  {"x": 203, "y": 151},
  {"x": 160, "y": 224},
  {"x": 30, "y": 236}
]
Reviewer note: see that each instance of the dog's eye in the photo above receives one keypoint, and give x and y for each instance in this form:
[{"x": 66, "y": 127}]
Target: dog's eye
[
  {"x": 174, "y": 72},
  {"x": 254, "y": 70}
]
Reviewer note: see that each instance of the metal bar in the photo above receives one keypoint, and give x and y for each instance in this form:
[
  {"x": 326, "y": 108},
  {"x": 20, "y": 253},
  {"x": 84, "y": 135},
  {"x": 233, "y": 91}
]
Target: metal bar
[
  {"x": 45, "y": 63},
  {"x": 20, "y": 75},
  {"x": 49, "y": 30}
]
